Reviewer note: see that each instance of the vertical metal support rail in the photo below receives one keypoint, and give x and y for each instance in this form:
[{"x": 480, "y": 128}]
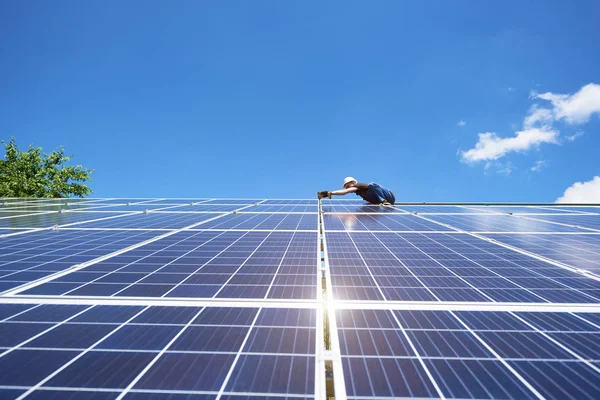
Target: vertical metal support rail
[{"x": 335, "y": 387}]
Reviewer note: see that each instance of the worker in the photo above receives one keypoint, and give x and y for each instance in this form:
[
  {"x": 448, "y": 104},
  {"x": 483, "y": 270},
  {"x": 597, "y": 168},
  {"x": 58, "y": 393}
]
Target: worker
[{"x": 370, "y": 192}]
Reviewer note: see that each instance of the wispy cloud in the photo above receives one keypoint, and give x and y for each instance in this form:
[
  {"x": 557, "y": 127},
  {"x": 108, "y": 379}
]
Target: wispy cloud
[
  {"x": 538, "y": 166},
  {"x": 492, "y": 147},
  {"x": 538, "y": 125},
  {"x": 576, "y": 108},
  {"x": 582, "y": 192},
  {"x": 461, "y": 123},
  {"x": 575, "y": 136},
  {"x": 511, "y": 89}
]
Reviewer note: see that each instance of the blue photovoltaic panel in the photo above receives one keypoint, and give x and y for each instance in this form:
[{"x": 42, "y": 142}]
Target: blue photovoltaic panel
[
  {"x": 586, "y": 221},
  {"x": 121, "y": 208},
  {"x": 84, "y": 349},
  {"x": 438, "y": 267},
  {"x": 264, "y": 221},
  {"x": 517, "y": 210},
  {"x": 33, "y": 208},
  {"x": 172, "y": 201},
  {"x": 467, "y": 354},
  {"x": 204, "y": 208},
  {"x": 593, "y": 210},
  {"x": 304, "y": 208},
  {"x": 151, "y": 220},
  {"x": 15, "y": 213},
  {"x": 54, "y": 218},
  {"x": 377, "y": 262},
  {"x": 436, "y": 209},
  {"x": 241, "y": 202},
  {"x": 25, "y": 258},
  {"x": 355, "y": 208},
  {"x": 378, "y": 222},
  {"x": 290, "y": 202},
  {"x": 500, "y": 223},
  {"x": 199, "y": 264},
  {"x": 579, "y": 251}
]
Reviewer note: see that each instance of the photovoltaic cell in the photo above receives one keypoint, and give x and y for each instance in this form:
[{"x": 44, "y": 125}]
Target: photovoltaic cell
[
  {"x": 233, "y": 307},
  {"x": 465, "y": 354},
  {"x": 30, "y": 257},
  {"x": 202, "y": 264},
  {"x": 377, "y": 222},
  {"x": 117, "y": 349},
  {"x": 586, "y": 221},
  {"x": 579, "y": 251},
  {"x": 46, "y": 220},
  {"x": 500, "y": 223}
]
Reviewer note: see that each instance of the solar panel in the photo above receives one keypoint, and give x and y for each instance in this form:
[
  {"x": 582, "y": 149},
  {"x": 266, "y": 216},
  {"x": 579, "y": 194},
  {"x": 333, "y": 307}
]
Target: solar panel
[{"x": 210, "y": 298}]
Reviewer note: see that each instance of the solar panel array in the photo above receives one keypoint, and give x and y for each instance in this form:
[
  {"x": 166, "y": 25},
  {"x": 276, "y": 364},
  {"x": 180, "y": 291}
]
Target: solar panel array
[{"x": 297, "y": 299}]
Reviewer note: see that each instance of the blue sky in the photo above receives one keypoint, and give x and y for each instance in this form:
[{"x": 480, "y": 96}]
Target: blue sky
[{"x": 281, "y": 99}]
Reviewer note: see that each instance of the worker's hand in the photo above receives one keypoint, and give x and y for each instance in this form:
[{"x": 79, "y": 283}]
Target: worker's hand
[{"x": 325, "y": 193}]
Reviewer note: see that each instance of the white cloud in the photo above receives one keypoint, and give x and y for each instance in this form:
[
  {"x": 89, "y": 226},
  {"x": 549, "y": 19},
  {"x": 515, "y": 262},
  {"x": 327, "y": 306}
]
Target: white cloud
[
  {"x": 492, "y": 147},
  {"x": 538, "y": 166},
  {"x": 538, "y": 125},
  {"x": 510, "y": 89},
  {"x": 575, "y": 136},
  {"x": 582, "y": 192},
  {"x": 538, "y": 117},
  {"x": 576, "y": 108},
  {"x": 461, "y": 123}
]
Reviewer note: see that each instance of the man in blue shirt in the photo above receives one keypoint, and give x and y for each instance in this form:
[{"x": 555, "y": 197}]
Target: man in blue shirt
[{"x": 370, "y": 192}]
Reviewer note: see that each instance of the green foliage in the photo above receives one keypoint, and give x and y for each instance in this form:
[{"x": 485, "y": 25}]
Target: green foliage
[{"x": 35, "y": 174}]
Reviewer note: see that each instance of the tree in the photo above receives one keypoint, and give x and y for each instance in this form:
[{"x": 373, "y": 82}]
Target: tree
[{"x": 35, "y": 174}]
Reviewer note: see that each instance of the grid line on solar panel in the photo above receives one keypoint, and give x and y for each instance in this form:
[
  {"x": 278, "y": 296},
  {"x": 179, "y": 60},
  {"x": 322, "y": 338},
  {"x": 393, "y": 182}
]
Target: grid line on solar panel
[
  {"x": 140, "y": 358},
  {"x": 250, "y": 221},
  {"x": 94, "y": 261},
  {"x": 581, "y": 221},
  {"x": 379, "y": 222},
  {"x": 456, "y": 348},
  {"x": 420, "y": 267},
  {"x": 518, "y": 210},
  {"x": 578, "y": 251},
  {"x": 134, "y": 219},
  {"x": 498, "y": 223},
  {"x": 273, "y": 265},
  {"x": 39, "y": 254}
]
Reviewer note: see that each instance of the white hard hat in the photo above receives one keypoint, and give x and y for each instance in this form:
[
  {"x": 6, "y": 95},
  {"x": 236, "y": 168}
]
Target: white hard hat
[{"x": 349, "y": 179}]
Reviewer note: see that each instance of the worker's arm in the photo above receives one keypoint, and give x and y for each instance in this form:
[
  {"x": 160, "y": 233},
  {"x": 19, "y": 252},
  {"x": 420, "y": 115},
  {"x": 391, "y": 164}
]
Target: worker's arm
[{"x": 342, "y": 192}]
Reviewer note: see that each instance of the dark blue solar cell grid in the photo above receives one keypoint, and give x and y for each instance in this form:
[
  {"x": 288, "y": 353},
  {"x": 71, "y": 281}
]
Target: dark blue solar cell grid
[
  {"x": 204, "y": 208},
  {"x": 355, "y": 208},
  {"x": 378, "y": 222},
  {"x": 586, "y": 221},
  {"x": 25, "y": 258},
  {"x": 290, "y": 202},
  {"x": 516, "y": 209},
  {"x": 202, "y": 264},
  {"x": 121, "y": 208},
  {"x": 348, "y": 200},
  {"x": 435, "y": 209},
  {"x": 303, "y": 208},
  {"x": 382, "y": 349},
  {"x": 241, "y": 202},
  {"x": 500, "y": 223},
  {"x": 264, "y": 221},
  {"x": 54, "y": 218},
  {"x": 593, "y": 210},
  {"x": 580, "y": 251},
  {"x": 107, "y": 347},
  {"x": 152, "y": 220},
  {"x": 446, "y": 267},
  {"x": 19, "y": 212}
]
